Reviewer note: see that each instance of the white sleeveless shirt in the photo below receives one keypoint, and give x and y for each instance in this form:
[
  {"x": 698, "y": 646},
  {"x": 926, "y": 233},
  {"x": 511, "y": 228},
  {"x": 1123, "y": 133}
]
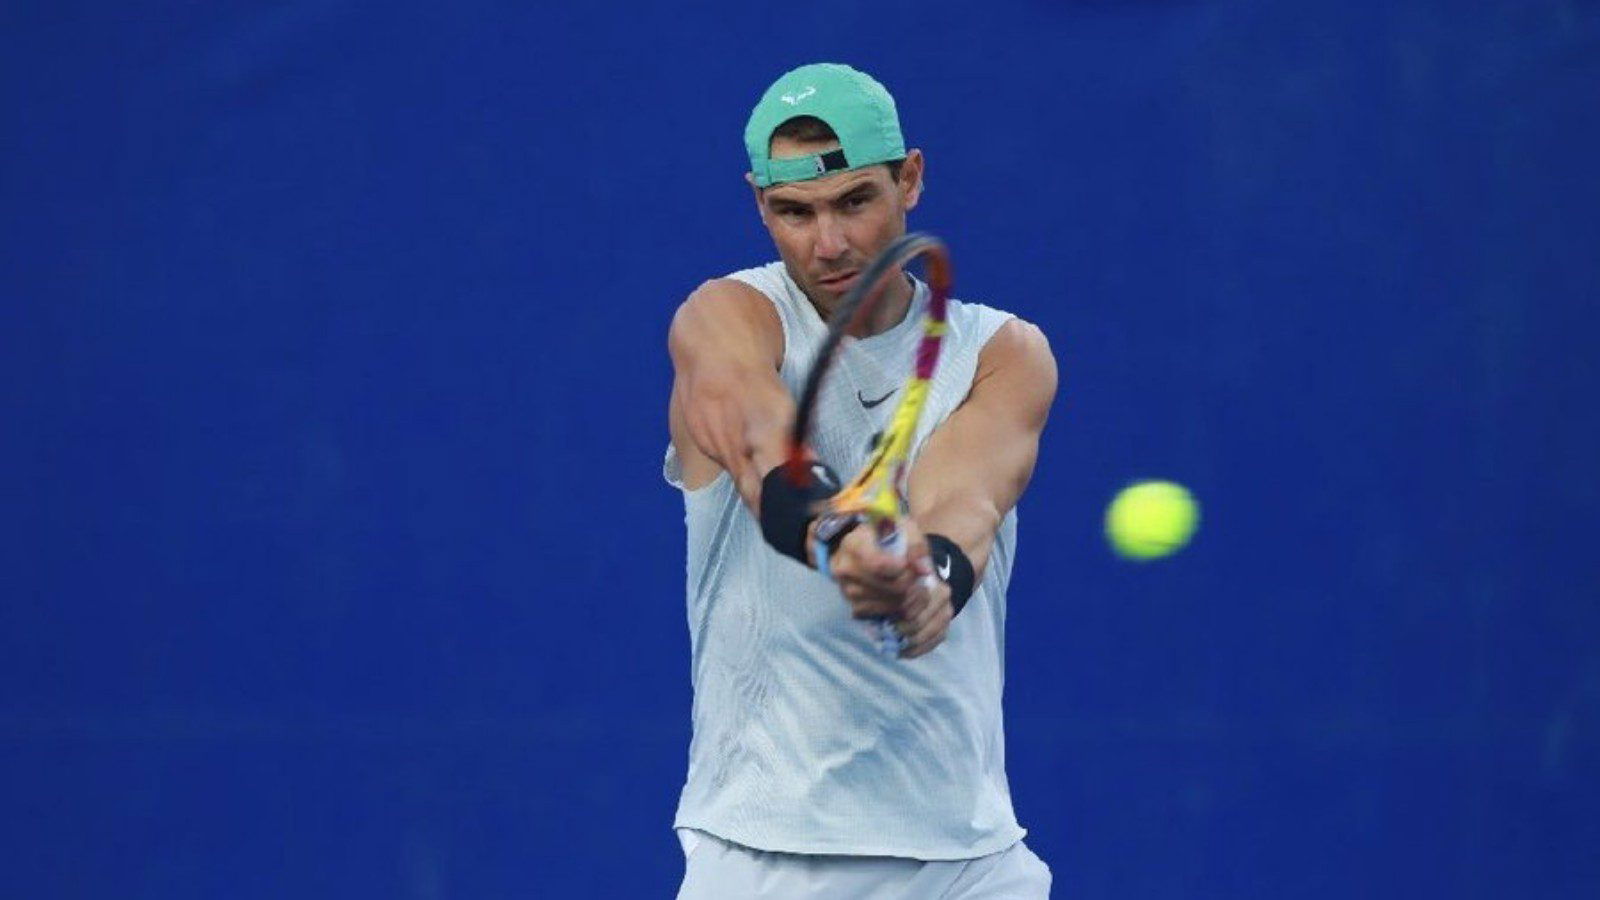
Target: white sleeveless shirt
[{"x": 806, "y": 739}]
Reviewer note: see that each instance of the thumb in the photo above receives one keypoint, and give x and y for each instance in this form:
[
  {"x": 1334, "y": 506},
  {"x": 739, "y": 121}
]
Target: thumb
[{"x": 918, "y": 555}]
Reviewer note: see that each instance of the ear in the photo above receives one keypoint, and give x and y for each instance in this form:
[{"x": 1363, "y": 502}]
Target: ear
[
  {"x": 911, "y": 178},
  {"x": 761, "y": 208}
]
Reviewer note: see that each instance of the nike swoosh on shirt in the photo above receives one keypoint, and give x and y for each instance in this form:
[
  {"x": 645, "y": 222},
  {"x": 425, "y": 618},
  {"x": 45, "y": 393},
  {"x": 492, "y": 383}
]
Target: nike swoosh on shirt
[{"x": 871, "y": 403}]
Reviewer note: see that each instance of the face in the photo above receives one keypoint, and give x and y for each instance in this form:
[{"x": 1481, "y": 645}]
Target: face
[{"x": 828, "y": 229}]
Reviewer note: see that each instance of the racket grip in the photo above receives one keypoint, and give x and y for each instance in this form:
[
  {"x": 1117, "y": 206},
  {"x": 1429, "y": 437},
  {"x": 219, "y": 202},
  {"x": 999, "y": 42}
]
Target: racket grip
[
  {"x": 881, "y": 631},
  {"x": 888, "y": 638},
  {"x": 884, "y": 633}
]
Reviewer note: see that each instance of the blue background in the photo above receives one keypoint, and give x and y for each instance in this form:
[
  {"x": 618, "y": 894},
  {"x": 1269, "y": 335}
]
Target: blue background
[{"x": 337, "y": 560}]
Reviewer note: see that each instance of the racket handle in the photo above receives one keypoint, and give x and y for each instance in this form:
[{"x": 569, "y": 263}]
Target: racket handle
[
  {"x": 888, "y": 638},
  {"x": 883, "y": 632}
]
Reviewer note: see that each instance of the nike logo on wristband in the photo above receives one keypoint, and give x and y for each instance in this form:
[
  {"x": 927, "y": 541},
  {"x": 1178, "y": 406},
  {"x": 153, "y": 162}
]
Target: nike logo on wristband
[
  {"x": 943, "y": 568},
  {"x": 824, "y": 477}
]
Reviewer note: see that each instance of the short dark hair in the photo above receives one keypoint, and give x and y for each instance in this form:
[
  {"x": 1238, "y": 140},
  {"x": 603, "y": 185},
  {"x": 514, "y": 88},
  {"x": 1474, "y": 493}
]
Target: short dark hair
[{"x": 812, "y": 130}]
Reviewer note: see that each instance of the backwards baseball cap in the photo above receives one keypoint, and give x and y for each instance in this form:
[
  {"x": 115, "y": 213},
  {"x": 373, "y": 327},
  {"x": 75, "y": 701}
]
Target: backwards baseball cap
[{"x": 854, "y": 105}]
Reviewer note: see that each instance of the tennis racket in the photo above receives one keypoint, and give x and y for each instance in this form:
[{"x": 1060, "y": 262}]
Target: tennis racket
[{"x": 875, "y": 496}]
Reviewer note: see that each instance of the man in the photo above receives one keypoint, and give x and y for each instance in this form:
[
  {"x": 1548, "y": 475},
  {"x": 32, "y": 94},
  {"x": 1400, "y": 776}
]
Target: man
[{"x": 820, "y": 767}]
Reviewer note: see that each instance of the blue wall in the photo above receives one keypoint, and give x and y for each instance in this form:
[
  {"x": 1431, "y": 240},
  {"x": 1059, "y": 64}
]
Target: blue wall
[{"x": 338, "y": 562}]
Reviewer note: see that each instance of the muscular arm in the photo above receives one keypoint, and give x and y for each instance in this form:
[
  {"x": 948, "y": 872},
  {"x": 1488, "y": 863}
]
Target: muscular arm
[
  {"x": 729, "y": 409},
  {"x": 968, "y": 476},
  {"x": 976, "y": 464}
]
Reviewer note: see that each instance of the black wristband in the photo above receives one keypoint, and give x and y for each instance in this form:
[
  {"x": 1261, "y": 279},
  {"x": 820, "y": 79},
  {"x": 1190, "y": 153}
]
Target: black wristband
[
  {"x": 787, "y": 510},
  {"x": 950, "y": 563}
]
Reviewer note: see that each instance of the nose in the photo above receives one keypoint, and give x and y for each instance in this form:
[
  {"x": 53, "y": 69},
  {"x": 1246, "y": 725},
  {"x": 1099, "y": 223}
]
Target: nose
[{"x": 831, "y": 243}]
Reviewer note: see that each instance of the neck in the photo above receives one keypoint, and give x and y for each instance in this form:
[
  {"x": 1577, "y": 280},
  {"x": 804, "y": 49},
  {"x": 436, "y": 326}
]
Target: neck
[{"x": 888, "y": 310}]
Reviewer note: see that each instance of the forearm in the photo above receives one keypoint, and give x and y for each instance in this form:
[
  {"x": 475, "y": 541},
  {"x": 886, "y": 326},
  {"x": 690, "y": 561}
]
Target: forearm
[
  {"x": 741, "y": 423},
  {"x": 729, "y": 407},
  {"x": 977, "y": 464},
  {"x": 970, "y": 518}
]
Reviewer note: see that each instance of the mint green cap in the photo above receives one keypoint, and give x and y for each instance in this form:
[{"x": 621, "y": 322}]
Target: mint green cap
[{"x": 854, "y": 105}]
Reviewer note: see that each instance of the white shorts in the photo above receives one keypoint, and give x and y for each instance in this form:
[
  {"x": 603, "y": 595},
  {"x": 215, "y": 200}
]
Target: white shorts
[{"x": 715, "y": 869}]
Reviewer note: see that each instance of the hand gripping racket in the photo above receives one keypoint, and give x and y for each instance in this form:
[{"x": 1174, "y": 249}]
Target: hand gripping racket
[{"x": 875, "y": 497}]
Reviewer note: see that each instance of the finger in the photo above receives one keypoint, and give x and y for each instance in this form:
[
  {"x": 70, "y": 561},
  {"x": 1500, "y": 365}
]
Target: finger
[
  {"x": 872, "y": 559},
  {"x": 917, "y": 549},
  {"x": 746, "y": 481},
  {"x": 917, "y": 606},
  {"x": 731, "y": 454},
  {"x": 909, "y": 598},
  {"x": 876, "y": 565},
  {"x": 726, "y": 439},
  {"x": 866, "y": 603},
  {"x": 887, "y": 567},
  {"x": 841, "y": 567},
  {"x": 915, "y": 649},
  {"x": 849, "y": 569},
  {"x": 928, "y": 602},
  {"x": 929, "y": 636},
  {"x": 913, "y": 610},
  {"x": 873, "y": 609},
  {"x": 859, "y": 560},
  {"x": 906, "y": 582},
  {"x": 923, "y": 598},
  {"x": 897, "y": 590}
]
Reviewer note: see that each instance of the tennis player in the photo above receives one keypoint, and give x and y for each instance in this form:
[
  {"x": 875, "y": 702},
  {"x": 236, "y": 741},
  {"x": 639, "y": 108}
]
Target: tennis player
[{"x": 819, "y": 767}]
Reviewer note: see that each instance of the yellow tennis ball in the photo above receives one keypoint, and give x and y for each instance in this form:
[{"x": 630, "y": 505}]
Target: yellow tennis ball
[{"x": 1150, "y": 519}]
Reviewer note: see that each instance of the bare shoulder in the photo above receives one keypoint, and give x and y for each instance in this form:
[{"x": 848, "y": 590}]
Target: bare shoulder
[
  {"x": 725, "y": 316},
  {"x": 728, "y": 295},
  {"x": 1018, "y": 363},
  {"x": 1018, "y": 338}
]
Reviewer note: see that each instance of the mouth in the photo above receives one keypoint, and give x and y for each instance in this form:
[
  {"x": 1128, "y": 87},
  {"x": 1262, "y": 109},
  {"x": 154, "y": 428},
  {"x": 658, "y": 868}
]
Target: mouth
[{"x": 840, "y": 282}]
